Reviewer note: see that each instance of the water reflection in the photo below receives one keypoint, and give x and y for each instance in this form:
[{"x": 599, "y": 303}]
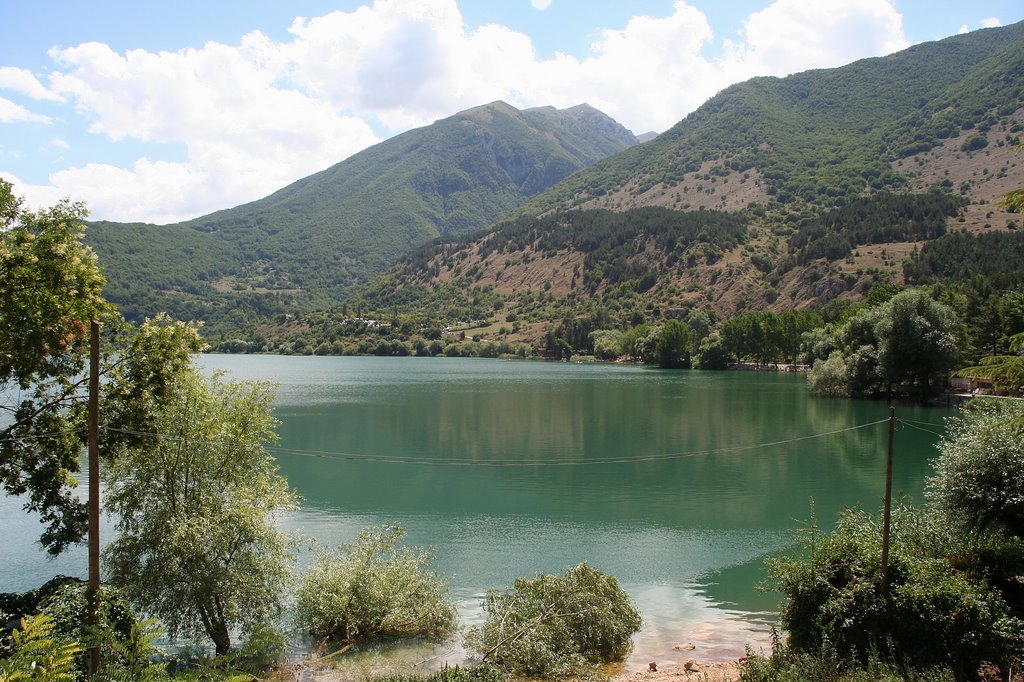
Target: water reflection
[{"x": 683, "y": 517}]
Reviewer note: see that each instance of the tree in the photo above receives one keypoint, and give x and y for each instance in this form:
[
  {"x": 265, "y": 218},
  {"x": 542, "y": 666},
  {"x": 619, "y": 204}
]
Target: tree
[
  {"x": 980, "y": 474},
  {"x": 901, "y": 346},
  {"x": 936, "y": 612},
  {"x": 917, "y": 341},
  {"x": 50, "y": 289},
  {"x": 607, "y": 343},
  {"x": 553, "y": 626},
  {"x": 712, "y": 353},
  {"x": 1013, "y": 201},
  {"x": 373, "y": 588},
  {"x": 674, "y": 345},
  {"x": 195, "y": 500}
]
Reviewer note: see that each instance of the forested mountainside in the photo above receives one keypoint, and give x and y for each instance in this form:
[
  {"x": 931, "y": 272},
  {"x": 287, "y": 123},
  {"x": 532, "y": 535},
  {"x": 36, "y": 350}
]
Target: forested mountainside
[
  {"x": 313, "y": 241},
  {"x": 780, "y": 194},
  {"x": 777, "y": 194}
]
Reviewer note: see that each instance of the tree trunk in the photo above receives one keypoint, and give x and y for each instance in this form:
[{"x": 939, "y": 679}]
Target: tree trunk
[{"x": 218, "y": 632}]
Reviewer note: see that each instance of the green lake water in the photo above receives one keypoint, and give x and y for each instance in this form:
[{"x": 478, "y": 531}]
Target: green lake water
[{"x": 677, "y": 483}]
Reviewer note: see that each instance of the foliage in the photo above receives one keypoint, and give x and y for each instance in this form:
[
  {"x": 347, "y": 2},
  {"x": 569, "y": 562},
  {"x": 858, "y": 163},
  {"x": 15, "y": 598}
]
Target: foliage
[
  {"x": 934, "y": 614},
  {"x": 963, "y": 256},
  {"x": 607, "y": 343},
  {"x": 472, "y": 673},
  {"x": 39, "y": 654},
  {"x": 712, "y": 353},
  {"x": 979, "y": 477},
  {"x": 374, "y": 588},
  {"x": 49, "y": 292},
  {"x": 317, "y": 238},
  {"x": 873, "y": 220},
  {"x": 551, "y": 626},
  {"x": 195, "y": 500},
  {"x": 767, "y": 337},
  {"x": 786, "y": 665},
  {"x": 902, "y": 346},
  {"x": 128, "y": 659},
  {"x": 1005, "y": 371},
  {"x": 675, "y": 344}
]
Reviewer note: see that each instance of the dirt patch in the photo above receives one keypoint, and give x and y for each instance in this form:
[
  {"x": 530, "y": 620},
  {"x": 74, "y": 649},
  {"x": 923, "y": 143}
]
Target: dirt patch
[{"x": 691, "y": 670}]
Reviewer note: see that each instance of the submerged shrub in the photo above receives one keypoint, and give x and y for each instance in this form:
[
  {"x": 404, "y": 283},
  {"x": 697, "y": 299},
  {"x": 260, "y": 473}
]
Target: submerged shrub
[
  {"x": 374, "y": 588},
  {"x": 550, "y": 626}
]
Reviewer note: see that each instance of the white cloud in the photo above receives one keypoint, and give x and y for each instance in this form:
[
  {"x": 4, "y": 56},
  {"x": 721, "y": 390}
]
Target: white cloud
[
  {"x": 963, "y": 29},
  {"x": 793, "y": 35},
  {"x": 991, "y": 22},
  {"x": 36, "y": 196},
  {"x": 246, "y": 136},
  {"x": 59, "y": 143},
  {"x": 540, "y": 4},
  {"x": 15, "y": 113},
  {"x": 260, "y": 114},
  {"x": 22, "y": 80}
]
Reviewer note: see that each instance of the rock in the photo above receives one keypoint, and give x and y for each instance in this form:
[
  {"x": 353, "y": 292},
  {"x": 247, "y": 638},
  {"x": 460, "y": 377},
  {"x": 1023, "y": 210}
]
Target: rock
[
  {"x": 688, "y": 646},
  {"x": 691, "y": 666},
  {"x": 653, "y": 666}
]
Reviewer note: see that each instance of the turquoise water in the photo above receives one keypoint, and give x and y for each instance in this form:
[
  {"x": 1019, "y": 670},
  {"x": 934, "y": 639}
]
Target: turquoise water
[{"x": 678, "y": 483}]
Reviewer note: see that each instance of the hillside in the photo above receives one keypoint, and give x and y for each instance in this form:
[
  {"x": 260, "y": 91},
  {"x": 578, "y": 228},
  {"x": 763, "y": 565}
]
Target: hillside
[
  {"x": 314, "y": 240},
  {"x": 830, "y": 182}
]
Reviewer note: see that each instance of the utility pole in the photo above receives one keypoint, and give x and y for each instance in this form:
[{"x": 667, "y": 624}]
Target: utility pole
[
  {"x": 886, "y": 516},
  {"x": 94, "y": 488}
]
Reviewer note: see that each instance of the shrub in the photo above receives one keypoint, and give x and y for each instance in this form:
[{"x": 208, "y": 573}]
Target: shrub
[
  {"x": 550, "y": 626},
  {"x": 786, "y": 665},
  {"x": 980, "y": 475},
  {"x": 936, "y": 613},
  {"x": 374, "y": 588},
  {"x": 473, "y": 673},
  {"x": 39, "y": 653}
]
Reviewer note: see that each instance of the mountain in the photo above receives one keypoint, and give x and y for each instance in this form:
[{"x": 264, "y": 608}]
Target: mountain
[
  {"x": 777, "y": 193},
  {"x": 317, "y": 238}
]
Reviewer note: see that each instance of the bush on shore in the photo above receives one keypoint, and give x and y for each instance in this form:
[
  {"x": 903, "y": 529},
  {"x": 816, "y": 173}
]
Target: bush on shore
[
  {"x": 374, "y": 588},
  {"x": 553, "y": 626}
]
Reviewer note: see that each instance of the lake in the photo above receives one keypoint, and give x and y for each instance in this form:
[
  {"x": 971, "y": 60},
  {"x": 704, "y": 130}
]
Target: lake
[{"x": 678, "y": 483}]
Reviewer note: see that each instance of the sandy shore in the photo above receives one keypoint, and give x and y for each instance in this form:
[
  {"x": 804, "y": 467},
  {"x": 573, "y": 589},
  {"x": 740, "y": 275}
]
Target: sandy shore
[
  {"x": 690, "y": 670},
  {"x": 693, "y": 670}
]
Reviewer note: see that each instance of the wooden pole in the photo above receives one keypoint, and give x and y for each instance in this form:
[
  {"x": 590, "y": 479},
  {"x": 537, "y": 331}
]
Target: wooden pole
[
  {"x": 94, "y": 488},
  {"x": 887, "y": 514}
]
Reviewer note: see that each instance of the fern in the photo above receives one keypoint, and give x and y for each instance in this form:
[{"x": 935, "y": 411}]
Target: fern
[{"x": 38, "y": 655}]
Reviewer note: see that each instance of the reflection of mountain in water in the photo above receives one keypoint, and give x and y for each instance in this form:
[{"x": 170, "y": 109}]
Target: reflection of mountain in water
[{"x": 540, "y": 414}]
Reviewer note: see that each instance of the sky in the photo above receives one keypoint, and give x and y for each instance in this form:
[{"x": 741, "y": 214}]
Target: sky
[{"x": 164, "y": 111}]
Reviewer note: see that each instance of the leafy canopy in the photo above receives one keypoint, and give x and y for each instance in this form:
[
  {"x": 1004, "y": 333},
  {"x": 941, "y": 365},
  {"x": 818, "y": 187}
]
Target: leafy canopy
[
  {"x": 195, "y": 501},
  {"x": 50, "y": 291}
]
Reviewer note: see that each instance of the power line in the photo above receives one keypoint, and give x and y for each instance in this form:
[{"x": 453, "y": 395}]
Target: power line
[
  {"x": 569, "y": 461},
  {"x": 39, "y": 436},
  {"x": 907, "y": 423}
]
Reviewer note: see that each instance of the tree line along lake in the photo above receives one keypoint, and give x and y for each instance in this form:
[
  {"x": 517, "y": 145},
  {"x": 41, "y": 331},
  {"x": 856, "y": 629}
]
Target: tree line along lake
[{"x": 678, "y": 483}]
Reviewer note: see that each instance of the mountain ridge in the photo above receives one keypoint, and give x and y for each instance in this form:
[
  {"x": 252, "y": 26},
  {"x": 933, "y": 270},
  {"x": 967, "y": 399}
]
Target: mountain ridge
[{"x": 311, "y": 241}]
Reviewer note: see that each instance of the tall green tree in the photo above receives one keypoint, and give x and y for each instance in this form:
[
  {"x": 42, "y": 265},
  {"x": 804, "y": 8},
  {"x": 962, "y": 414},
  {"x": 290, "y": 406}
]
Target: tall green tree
[
  {"x": 902, "y": 346},
  {"x": 917, "y": 342},
  {"x": 50, "y": 290},
  {"x": 675, "y": 345},
  {"x": 195, "y": 501}
]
